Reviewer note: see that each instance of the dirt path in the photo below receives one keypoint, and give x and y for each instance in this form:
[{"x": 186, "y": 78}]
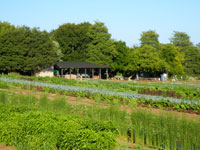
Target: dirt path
[
  {"x": 3, "y": 147},
  {"x": 89, "y": 102},
  {"x": 125, "y": 145}
]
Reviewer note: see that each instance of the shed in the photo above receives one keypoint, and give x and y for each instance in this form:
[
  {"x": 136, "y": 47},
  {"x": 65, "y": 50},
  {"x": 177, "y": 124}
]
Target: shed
[
  {"x": 83, "y": 69},
  {"x": 46, "y": 72}
]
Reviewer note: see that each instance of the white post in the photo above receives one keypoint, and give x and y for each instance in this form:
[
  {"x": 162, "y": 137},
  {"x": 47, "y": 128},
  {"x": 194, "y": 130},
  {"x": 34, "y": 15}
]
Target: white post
[{"x": 70, "y": 73}]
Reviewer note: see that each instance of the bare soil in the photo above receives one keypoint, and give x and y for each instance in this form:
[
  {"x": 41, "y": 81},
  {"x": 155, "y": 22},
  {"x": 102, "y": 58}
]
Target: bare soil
[
  {"x": 3, "y": 147},
  {"x": 125, "y": 145}
]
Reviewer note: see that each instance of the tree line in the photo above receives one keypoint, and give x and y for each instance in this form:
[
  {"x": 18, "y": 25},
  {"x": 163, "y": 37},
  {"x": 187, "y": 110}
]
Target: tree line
[{"x": 27, "y": 50}]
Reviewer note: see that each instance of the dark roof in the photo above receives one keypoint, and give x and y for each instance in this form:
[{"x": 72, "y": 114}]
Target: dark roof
[{"x": 75, "y": 64}]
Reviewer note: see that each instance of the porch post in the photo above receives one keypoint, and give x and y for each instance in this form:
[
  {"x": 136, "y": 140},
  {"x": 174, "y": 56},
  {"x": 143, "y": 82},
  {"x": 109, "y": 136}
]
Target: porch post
[
  {"x": 107, "y": 73},
  {"x": 99, "y": 73},
  {"x": 92, "y": 72},
  {"x": 77, "y": 71},
  {"x": 61, "y": 73}
]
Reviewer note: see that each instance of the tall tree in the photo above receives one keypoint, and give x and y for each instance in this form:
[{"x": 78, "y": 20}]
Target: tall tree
[
  {"x": 6, "y": 27},
  {"x": 173, "y": 58},
  {"x": 145, "y": 59},
  {"x": 73, "y": 40},
  {"x": 120, "y": 60},
  {"x": 181, "y": 39},
  {"x": 58, "y": 51},
  {"x": 26, "y": 50},
  {"x": 192, "y": 61},
  {"x": 198, "y": 46},
  {"x": 150, "y": 38},
  {"x": 101, "y": 50}
]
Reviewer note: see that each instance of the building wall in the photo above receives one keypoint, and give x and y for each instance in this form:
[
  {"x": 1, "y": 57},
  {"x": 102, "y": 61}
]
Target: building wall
[{"x": 47, "y": 72}]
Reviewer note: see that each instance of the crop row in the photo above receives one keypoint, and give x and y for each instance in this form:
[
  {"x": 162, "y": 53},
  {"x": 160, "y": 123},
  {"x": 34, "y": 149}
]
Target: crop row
[
  {"x": 164, "y": 133},
  {"x": 102, "y": 91},
  {"x": 160, "y": 93},
  {"x": 157, "y": 101},
  {"x": 190, "y": 92}
]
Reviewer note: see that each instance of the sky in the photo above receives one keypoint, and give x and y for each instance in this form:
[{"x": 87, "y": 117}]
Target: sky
[{"x": 125, "y": 19}]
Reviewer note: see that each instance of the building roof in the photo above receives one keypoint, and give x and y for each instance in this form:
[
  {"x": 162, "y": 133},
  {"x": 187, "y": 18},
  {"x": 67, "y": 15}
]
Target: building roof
[{"x": 75, "y": 64}]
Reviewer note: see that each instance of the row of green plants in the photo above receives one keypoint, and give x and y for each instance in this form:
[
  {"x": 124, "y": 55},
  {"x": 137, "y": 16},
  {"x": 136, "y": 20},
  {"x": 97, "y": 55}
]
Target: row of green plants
[
  {"x": 163, "y": 131},
  {"x": 184, "y": 91},
  {"x": 110, "y": 96}
]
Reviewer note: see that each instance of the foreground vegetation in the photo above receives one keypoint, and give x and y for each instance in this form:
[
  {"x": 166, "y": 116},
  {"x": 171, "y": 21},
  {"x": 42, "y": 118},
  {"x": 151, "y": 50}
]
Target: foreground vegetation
[
  {"x": 27, "y": 121},
  {"x": 28, "y": 128}
]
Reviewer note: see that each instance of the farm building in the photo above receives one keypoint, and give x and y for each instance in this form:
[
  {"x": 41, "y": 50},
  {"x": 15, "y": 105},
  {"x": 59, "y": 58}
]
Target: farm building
[
  {"x": 75, "y": 70},
  {"x": 47, "y": 72}
]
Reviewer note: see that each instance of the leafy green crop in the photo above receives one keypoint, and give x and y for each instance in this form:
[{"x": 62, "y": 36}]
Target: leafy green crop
[{"x": 34, "y": 129}]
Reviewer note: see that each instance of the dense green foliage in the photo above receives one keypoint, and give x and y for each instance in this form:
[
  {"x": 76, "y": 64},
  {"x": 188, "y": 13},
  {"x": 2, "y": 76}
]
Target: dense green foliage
[
  {"x": 145, "y": 59},
  {"x": 181, "y": 39},
  {"x": 27, "y": 51},
  {"x": 192, "y": 61},
  {"x": 86, "y": 42},
  {"x": 101, "y": 50},
  {"x": 120, "y": 60},
  {"x": 150, "y": 38},
  {"x": 191, "y": 53},
  {"x": 73, "y": 40},
  {"x": 173, "y": 58},
  {"x": 38, "y": 128}
]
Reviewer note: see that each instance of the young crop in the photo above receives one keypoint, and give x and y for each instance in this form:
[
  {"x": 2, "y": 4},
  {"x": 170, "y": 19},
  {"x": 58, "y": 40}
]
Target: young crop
[
  {"x": 101, "y": 91},
  {"x": 187, "y": 91}
]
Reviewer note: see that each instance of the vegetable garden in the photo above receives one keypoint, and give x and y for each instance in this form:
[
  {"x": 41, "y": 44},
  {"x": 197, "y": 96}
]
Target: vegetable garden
[
  {"x": 179, "y": 97},
  {"x": 27, "y": 121}
]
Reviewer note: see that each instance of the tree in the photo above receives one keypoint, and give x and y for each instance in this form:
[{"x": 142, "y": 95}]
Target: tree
[
  {"x": 6, "y": 27},
  {"x": 73, "y": 40},
  {"x": 198, "y": 46},
  {"x": 150, "y": 38},
  {"x": 58, "y": 51},
  {"x": 101, "y": 50},
  {"x": 181, "y": 39},
  {"x": 173, "y": 58},
  {"x": 120, "y": 60},
  {"x": 192, "y": 61},
  {"x": 26, "y": 50},
  {"x": 145, "y": 59}
]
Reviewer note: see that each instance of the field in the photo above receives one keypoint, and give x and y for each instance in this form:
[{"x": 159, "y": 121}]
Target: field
[{"x": 54, "y": 113}]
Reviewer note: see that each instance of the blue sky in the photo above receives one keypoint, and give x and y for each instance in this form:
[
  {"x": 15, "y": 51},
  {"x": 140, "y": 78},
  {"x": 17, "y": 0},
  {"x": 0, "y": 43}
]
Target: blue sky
[{"x": 125, "y": 19}]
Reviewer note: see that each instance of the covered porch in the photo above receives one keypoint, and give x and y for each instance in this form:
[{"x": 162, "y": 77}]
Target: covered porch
[{"x": 81, "y": 70}]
